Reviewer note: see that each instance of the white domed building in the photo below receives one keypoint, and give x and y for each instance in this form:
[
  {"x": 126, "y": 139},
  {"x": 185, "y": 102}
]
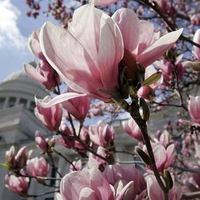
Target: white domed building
[{"x": 17, "y": 120}]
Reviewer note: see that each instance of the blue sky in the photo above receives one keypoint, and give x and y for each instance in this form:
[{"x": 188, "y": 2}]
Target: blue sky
[{"x": 15, "y": 28}]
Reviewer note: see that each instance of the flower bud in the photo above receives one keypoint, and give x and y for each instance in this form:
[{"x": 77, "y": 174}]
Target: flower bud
[{"x": 144, "y": 156}]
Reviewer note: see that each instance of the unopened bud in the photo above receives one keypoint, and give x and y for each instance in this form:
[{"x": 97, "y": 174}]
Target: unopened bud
[
  {"x": 143, "y": 156},
  {"x": 144, "y": 109}
]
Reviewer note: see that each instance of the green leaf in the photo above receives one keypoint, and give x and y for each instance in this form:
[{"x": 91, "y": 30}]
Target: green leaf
[
  {"x": 144, "y": 156},
  {"x": 152, "y": 79},
  {"x": 5, "y": 165}
]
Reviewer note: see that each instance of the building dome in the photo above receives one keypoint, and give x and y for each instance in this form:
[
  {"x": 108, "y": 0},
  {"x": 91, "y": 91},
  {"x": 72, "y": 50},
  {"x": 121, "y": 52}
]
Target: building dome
[
  {"x": 18, "y": 88},
  {"x": 20, "y": 82},
  {"x": 19, "y": 75}
]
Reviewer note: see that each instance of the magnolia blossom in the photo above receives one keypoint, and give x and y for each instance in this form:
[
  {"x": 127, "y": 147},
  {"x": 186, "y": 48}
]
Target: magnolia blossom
[
  {"x": 155, "y": 192},
  {"x": 195, "y": 19},
  {"x": 22, "y": 156},
  {"x": 50, "y": 116},
  {"x": 96, "y": 161},
  {"x": 10, "y": 157},
  {"x": 41, "y": 141},
  {"x": 17, "y": 185},
  {"x": 196, "y": 39},
  {"x": 84, "y": 137},
  {"x": 65, "y": 138},
  {"x": 86, "y": 55},
  {"x": 101, "y": 134},
  {"x": 92, "y": 185},
  {"x": 116, "y": 173},
  {"x": 165, "y": 138},
  {"x": 44, "y": 73},
  {"x": 37, "y": 167},
  {"x": 133, "y": 129},
  {"x": 140, "y": 39},
  {"x": 194, "y": 108},
  {"x": 168, "y": 71},
  {"x": 164, "y": 157},
  {"x": 85, "y": 185},
  {"x": 196, "y": 176},
  {"x": 165, "y": 6},
  {"x": 78, "y": 106},
  {"x": 16, "y": 161}
]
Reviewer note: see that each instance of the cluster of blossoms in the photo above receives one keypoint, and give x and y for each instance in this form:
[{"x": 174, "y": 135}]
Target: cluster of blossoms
[{"x": 113, "y": 59}]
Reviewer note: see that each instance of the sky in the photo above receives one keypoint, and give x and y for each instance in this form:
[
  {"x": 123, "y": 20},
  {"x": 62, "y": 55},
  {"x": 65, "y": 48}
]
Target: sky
[{"x": 15, "y": 29}]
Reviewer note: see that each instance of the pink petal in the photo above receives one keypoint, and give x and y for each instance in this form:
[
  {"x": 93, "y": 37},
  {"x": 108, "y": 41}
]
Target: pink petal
[
  {"x": 170, "y": 155},
  {"x": 58, "y": 99},
  {"x": 33, "y": 73},
  {"x": 69, "y": 58},
  {"x": 146, "y": 36},
  {"x": 127, "y": 192},
  {"x": 72, "y": 184},
  {"x": 88, "y": 194},
  {"x": 153, "y": 189},
  {"x": 160, "y": 156},
  {"x": 101, "y": 185},
  {"x": 34, "y": 44},
  {"x": 111, "y": 51},
  {"x": 196, "y": 39},
  {"x": 158, "y": 48},
  {"x": 104, "y": 46},
  {"x": 128, "y": 23}
]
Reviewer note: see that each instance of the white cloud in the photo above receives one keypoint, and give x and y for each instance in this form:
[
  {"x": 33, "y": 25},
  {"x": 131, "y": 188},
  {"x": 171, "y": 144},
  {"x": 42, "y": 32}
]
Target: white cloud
[{"x": 9, "y": 32}]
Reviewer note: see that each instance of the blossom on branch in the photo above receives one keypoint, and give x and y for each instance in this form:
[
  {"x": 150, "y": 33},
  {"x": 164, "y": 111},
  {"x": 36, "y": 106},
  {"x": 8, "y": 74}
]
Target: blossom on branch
[{"x": 86, "y": 55}]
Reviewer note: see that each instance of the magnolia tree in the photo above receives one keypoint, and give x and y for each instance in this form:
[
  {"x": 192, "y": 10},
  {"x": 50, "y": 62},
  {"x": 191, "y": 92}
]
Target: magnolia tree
[{"x": 134, "y": 57}]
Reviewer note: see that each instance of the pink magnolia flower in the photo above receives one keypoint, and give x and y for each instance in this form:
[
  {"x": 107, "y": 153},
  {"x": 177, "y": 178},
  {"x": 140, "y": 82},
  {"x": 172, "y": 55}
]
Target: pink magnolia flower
[
  {"x": 196, "y": 176},
  {"x": 18, "y": 185},
  {"x": 86, "y": 55},
  {"x": 84, "y": 137},
  {"x": 194, "y": 108},
  {"x": 165, "y": 6},
  {"x": 90, "y": 185},
  {"x": 10, "y": 157},
  {"x": 195, "y": 19},
  {"x": 168, "y": 71},
  {"x": 65, "y": 137},
  {"x": 196, "y": 39},
  {"x": 41, "y": 141},
  {"x": 139, "y": 38},
  {"x": 21, "y": 157},
  {"x": 155, "y": 192},
  {"x": 44, "y": 73},
  {"x": 76, "y": 165},
  {"x": 165, "y": 139},
  {"x": 37, "y": 167},
  {"x": 96, "y": 161},
  {"x": 126, "y": 174},
  {"x": 146, "y": 92},
  {"x": 133, "y": 129},
  {"x": 78, "y": 107},
  {"x": 164, "y": 157},
  {"x": 101, "y": 134},
  {"x": 50, "y": 116}
]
